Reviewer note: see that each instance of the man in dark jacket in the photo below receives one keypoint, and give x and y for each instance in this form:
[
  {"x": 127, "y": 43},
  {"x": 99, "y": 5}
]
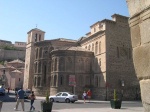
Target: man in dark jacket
[{"x": 20, "y": 98}]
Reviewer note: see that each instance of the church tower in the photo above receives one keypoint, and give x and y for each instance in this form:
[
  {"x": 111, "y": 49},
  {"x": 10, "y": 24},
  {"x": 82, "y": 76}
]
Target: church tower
[{"x": 34, "y": 35}]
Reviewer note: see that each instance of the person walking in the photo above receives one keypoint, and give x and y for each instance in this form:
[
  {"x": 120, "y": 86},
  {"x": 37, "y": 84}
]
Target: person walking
[
  {"x": 20, "y": 98},
  {"x": 89, "y": 94},
  {"x": 32, "y": 98},
  {"x": 84, "y": 96}
]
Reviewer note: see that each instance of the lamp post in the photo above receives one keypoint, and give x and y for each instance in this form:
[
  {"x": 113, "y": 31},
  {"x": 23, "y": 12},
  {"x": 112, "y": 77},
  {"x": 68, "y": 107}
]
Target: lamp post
[{"x": 122, "y": 85}]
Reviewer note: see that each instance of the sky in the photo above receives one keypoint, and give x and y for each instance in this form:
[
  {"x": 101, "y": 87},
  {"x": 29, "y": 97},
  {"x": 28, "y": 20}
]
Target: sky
[{"x": 69, "y": 19}]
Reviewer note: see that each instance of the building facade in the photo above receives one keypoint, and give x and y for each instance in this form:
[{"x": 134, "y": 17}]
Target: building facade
[
  {"x": 101, "y": 61},
  {"x": 13, "y": 74}
]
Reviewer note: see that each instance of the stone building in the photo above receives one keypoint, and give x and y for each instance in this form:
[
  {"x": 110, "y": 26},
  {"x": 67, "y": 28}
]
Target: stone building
[
  {"x": 101, "y": 61},
  {"x": 139, "y": 21},
  {"x": 13, "y": 73}
]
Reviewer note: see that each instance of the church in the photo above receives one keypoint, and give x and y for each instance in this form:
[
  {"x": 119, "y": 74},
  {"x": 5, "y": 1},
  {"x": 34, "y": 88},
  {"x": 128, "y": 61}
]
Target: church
[{"x": 101, "y": 61}]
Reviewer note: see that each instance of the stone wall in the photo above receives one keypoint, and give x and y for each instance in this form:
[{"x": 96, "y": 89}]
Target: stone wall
[
  {"x": 11, "y": 54},
  {"x": 140, "y": 34}
]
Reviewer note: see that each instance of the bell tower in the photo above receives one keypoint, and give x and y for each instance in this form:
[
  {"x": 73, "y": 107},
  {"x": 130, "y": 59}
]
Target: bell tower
[{"x": 34, "y": 35}]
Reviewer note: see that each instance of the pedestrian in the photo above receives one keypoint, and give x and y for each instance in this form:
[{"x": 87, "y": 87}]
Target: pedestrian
[
  {"x": 89, "y": 94},
  {"x": 20, "y": 98},
  {"x": 32, "y": 98},
  {"x": 84, "y": 96}
]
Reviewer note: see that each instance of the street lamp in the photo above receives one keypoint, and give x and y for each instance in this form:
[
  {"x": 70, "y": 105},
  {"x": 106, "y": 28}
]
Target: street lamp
[{"x": 122, "y": 84}]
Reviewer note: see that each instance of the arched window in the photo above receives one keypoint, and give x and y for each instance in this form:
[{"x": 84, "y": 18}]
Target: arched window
[
  {"x": 52, "y": 80},
  {"x": 61, "y": 80},
  {"x": 52, "y": 64},
  {"x": 93, "y": 47},
  {"x": 61, "y": 64},
  {"x": 39, "y": 67},
  {"x": 35, "y": 68},
  {"x": 40, "y": 37},
  {"x": 55, "y": 65},
  {"x": 55, "y": 79},
  {"x": 39, "y": 81},
  {"x": 37, "y": 53},
  {"x": 36, "y": 37},
  {"x": 69, "y": 64},
  {"x": 34, "y": 81},
  {"x": 96, "y": 47},
  {"x": 89, "y": 48},
  {"x": 40, "y": 53}
]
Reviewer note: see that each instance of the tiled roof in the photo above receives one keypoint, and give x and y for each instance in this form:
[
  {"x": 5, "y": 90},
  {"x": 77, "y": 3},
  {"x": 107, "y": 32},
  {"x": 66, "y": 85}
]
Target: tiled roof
[
  {"x": 16, "y": 61},
  {"x": 78, "y": 48},
  {"x": 16, "y": 71}
]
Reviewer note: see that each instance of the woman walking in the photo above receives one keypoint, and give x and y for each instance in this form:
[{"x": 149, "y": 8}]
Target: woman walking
[
  {"x": 32, "y": 98},
  {"x": 84, "y": 96}
]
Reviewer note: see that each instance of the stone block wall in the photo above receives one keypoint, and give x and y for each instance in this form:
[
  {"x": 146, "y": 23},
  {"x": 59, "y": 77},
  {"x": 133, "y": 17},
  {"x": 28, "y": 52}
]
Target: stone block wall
[
  {"x": 11, "y": 54},
  {"x": 140, "y": 34}
]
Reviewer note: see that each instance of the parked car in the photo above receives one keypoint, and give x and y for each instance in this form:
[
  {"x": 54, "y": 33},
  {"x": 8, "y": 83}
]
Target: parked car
[
  {"x": 27, "y": 93},
  {"x": 2, "y": 91},
  {"x": 64, "y": 97}
]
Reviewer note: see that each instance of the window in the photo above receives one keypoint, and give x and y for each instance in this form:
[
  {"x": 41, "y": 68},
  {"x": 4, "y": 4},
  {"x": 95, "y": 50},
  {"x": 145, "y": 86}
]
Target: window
[
  {"x": 39, "y": 81},
  {"x": 35, "y": 37},
  {"x": 55, "y": 80},
  {"x": 35, "y": 82},
  {"x": 62, "y": 64},
  {"x": 3, "y": 71},
  {"x": 59, "y": 94},
  {"x": 35, "y": 68},
  {"x": 40, "y": 53},
  {"x": 55, "y": 65},
  {"x": 96, "y": 47},
  {"x": 39, "y": 37},
  {"x": 39, "y": 67},
  {"x": 99, "y": 47},
  {"x": 64, "y": 94},
  {"x": 94, "y": 29},
  {"x": 61, "y": 80},
  {"x": 89, "y": 48},
  {"x": 45, "y": 69},
  {"x": 92, "y": 47},
  {"x": 37, "y": 53}
]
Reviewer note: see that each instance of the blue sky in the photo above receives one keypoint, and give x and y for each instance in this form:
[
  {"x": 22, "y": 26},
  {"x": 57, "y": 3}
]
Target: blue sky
[{"x": 69, "y": 19}]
